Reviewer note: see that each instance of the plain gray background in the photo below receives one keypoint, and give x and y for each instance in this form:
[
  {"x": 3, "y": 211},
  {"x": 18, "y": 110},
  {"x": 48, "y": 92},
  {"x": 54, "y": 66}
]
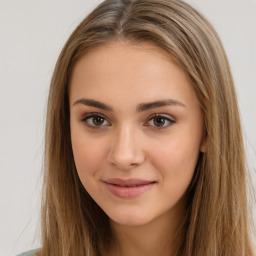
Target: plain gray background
[{"x": 32, "y": 33}]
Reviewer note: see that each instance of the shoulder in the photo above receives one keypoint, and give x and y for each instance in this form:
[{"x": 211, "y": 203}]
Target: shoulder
[{"x": 29, "y": 253}]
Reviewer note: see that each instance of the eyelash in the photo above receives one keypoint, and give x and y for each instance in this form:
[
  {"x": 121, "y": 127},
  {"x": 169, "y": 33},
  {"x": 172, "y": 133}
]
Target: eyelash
[{"x": 93, "y": 115}]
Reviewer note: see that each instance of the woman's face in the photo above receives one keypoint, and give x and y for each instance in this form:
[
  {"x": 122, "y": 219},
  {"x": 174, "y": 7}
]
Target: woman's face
[{"x": 136, "y": 131}]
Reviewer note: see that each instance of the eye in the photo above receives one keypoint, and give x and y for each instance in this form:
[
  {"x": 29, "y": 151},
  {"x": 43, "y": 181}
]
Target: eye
[
  {"x": 160, "y": 121},
  {"x": 94, "y": 120}
]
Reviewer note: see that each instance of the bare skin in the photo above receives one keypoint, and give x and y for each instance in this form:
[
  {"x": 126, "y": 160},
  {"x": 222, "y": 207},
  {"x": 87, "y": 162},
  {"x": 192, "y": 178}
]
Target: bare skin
[
  {"x": 142, "y": 240},
  {"x": 117, "y": 134}
]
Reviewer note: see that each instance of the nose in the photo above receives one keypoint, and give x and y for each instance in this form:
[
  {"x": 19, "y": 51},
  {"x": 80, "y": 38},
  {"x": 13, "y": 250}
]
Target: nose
[{"x": 126, "y": 149}]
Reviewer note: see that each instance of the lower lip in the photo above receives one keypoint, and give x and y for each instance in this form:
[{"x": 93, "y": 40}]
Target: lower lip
[{"x": 128, "y": 192}]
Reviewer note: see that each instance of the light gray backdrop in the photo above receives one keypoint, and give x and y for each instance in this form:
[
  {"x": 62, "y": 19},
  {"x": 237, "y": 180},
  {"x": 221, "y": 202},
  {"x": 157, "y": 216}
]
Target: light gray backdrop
[{"x": 32, "y": 34}]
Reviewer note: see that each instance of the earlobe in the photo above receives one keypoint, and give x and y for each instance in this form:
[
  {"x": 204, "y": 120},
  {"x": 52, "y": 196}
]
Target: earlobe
[{"x": 203, "y": 145}]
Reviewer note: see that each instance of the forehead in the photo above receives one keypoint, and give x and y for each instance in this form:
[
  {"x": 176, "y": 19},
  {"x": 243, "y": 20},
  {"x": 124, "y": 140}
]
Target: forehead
[
  {"x": 121, "y": 46},
  {"x": 106, "y": 55},
  {"x": 129, "y": 71}
]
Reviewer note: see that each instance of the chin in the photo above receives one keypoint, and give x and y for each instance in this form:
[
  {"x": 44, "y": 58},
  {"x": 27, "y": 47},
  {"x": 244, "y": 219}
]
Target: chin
[
  {"x": 129, "y": 222},
  {"x": 129, "y": 218}
]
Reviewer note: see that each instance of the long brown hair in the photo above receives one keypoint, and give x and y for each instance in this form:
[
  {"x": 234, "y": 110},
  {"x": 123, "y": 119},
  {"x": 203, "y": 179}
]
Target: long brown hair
[{"x": 218, "y": 222}]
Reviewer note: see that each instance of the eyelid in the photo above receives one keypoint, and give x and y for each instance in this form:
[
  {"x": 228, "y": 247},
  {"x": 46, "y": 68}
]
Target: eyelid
[
  {"x": 95, "y": 114},
  {"x": 91, "y": 115},
  {"x": 163, "y": 116}
]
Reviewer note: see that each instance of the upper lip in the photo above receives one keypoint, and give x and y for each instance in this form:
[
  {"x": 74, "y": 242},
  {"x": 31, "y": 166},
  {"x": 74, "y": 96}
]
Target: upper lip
[{"x": 128, "y": 182}]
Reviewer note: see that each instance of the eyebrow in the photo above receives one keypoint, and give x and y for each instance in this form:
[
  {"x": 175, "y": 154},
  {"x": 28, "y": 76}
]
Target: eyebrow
[{"x": 140, "y": 108}]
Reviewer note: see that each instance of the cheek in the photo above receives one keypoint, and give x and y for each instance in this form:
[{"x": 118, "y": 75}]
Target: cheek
[
  {"x": 175, "y": 165},
  {"x": 88, "y": 156},
  {"x": 176, "y": 159}
]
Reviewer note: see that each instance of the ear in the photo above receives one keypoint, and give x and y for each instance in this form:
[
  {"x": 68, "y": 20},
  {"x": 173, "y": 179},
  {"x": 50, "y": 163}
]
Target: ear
[{"x": 203, "y": 145}]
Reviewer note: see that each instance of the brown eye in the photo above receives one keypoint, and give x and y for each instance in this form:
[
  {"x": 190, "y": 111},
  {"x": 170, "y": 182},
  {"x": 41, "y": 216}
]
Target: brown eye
[
  {"x": 94, "y": 120},
  {"x": 97, "y": 120},
  {"x": 159, "y": 121}
]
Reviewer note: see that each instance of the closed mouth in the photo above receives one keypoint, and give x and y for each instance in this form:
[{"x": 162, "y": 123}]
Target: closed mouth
[
  {"x": 128, "y": 189},
  {"x": 128, "y": 182},
  {"x": 130, "y": 186}
]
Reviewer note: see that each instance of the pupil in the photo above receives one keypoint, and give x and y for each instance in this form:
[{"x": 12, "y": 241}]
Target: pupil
[
  {"x": 98, "y": 120},
  {"x": 159, "y": 121}
]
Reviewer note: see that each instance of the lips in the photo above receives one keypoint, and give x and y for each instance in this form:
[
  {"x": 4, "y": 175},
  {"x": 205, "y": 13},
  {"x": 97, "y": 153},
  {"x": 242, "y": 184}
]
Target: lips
[
  {"x": 128, "y": 183},
  {"x": 128, "y": 188}
]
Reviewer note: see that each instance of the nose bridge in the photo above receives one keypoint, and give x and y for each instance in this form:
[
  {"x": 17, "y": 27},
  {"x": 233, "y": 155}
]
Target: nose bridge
[{"x": 126, "y": 150}]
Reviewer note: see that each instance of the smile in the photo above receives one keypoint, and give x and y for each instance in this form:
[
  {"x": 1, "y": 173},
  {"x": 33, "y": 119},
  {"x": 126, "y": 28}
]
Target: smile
[{"x": 127, "y": 189}]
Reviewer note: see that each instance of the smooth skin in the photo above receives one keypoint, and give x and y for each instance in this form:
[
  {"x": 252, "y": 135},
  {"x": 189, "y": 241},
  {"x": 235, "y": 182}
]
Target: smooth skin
[{"x": 119, "y": 137}]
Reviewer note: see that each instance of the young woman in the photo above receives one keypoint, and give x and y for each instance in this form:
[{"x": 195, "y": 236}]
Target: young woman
[{"x": 144, "y": 152}]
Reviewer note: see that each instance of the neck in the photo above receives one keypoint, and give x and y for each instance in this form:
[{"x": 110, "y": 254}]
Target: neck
[{"x": 159, "y": 237}]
